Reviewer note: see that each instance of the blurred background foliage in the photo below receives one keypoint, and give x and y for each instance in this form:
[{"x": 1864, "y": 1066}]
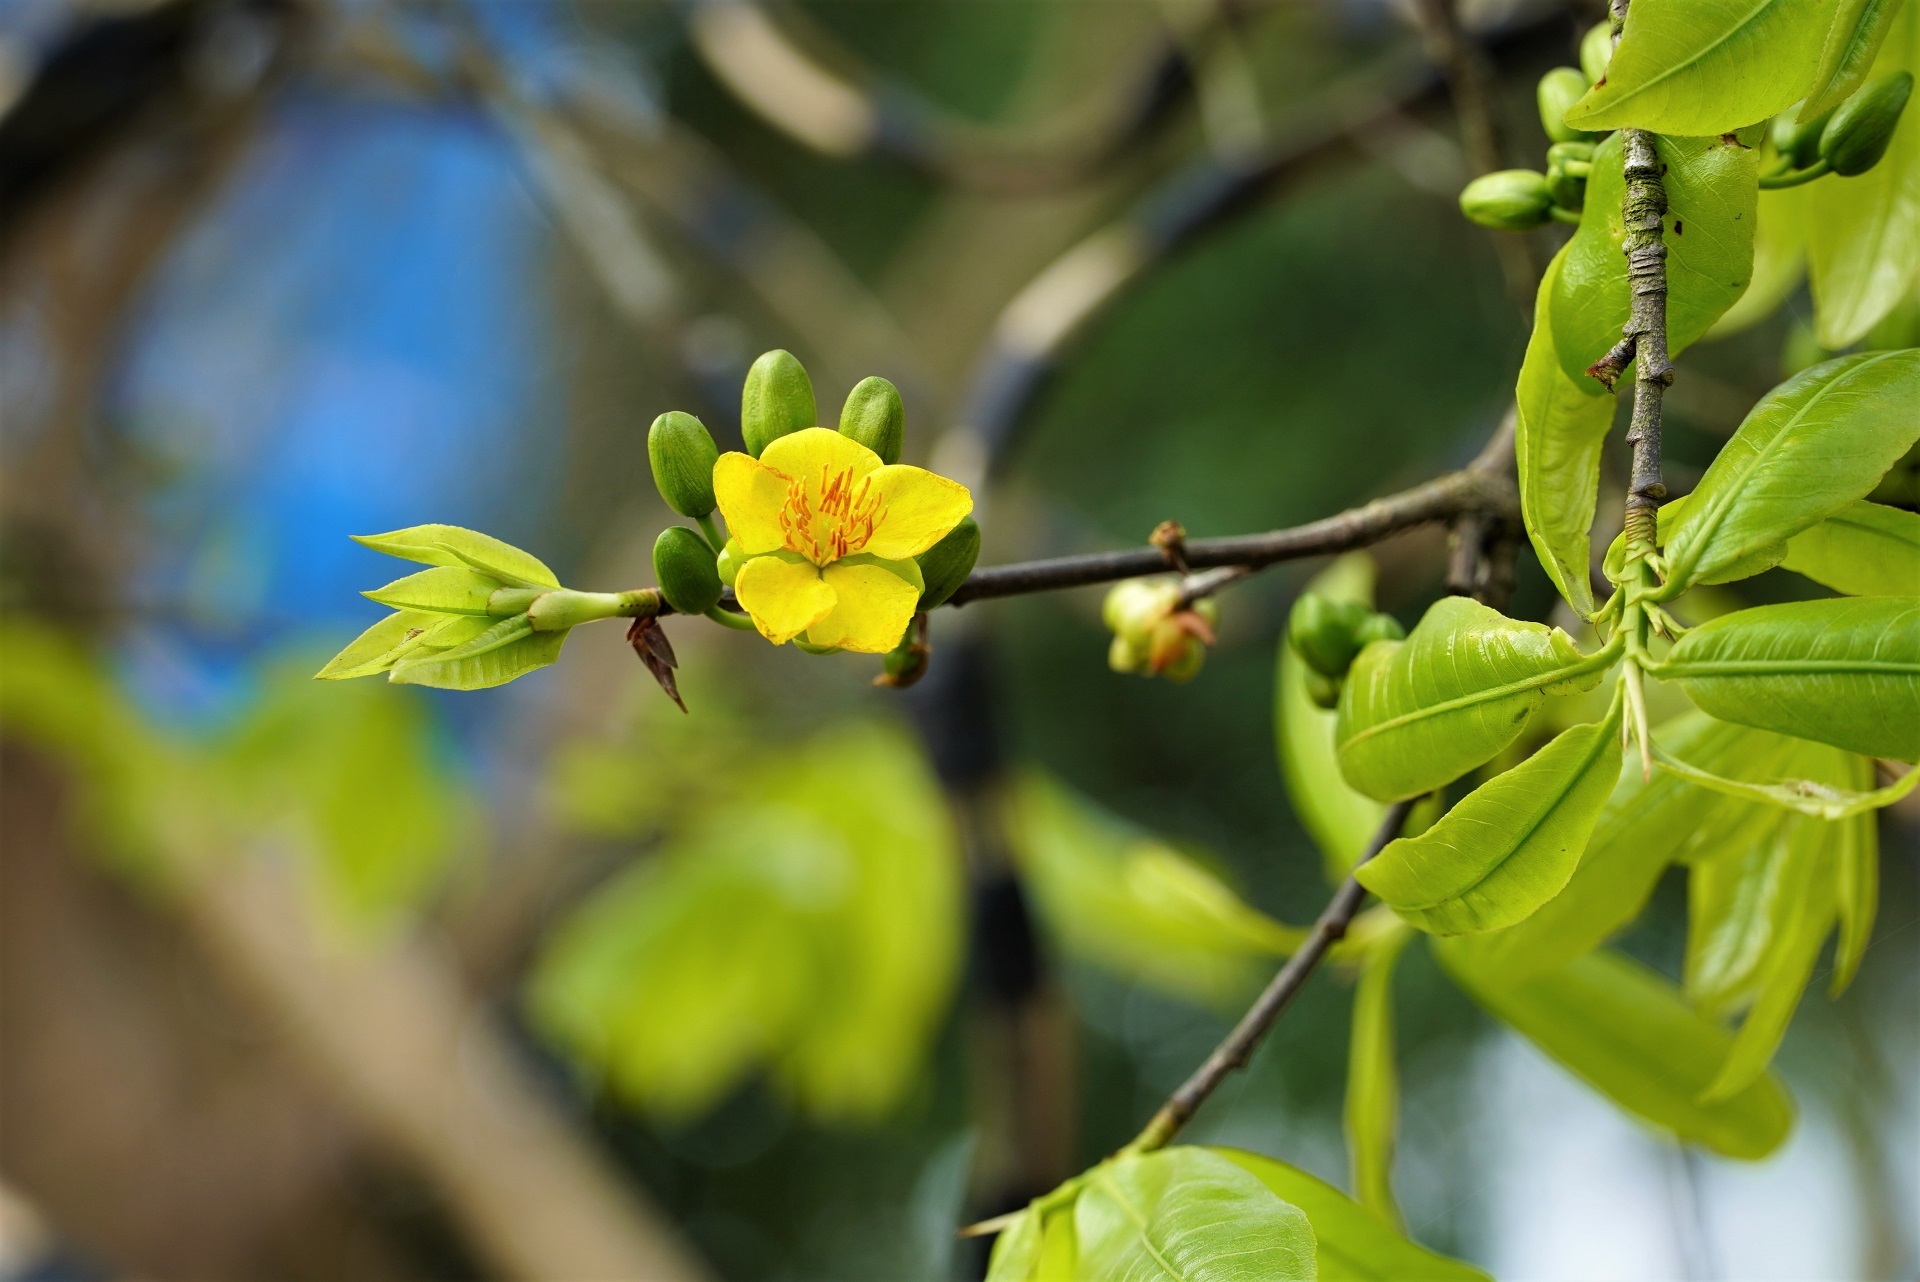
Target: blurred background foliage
[{"x": 302, "y": 981}]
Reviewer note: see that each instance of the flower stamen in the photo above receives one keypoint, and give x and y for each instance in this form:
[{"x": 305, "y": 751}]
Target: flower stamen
[{"x": 831, "y": 518}]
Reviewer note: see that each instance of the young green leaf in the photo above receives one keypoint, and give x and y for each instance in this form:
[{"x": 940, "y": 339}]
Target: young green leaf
[
  {"x": 1373, "y": 1087},
  {"x": 1510, "y": 845},
  {"x": 1863, "y": 233},
  {"x": 1712, "y": 187},
  {"x": 1806, "y": 796},
  {"x": 376, "y": 649},
  {"x": 454, "y": 546},
  {"x": 1562, "y": 425},
  {"x": 1419, "y": 713},
  {"x": 1016, "y": 1252},
  {"x": 1625, "y": 1031},
  {"x": 1352, "y": 1244},
  {"x": 1865, "y": 549},
  {"x": 508, "y": 649},
  {"x": 1816, "y": 444},
  {"x": 446, "y": 590},
  {"x": 1119, "y": 897},
  {"x": 1779, "y": 260},
  {"x": 1853, "y": 41},
  {"x": 1858, "y": 888},
  {"x": 1844, "y": 672},
  {"x": 1188, "y": 1215},
  {"x": 1736, "y": 904},
  {"x": 1803, "y": 917},
  {"x": 1701, "y": 67},
  {"x": 1340, "y": 820},
  {"x": 1646, "y": 825}
]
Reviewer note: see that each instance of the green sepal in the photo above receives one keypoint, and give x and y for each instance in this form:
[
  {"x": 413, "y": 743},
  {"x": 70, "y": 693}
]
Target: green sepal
[
  {"x": 682, "y": 454},
  {"x": 874, "y": 416},
  {"x": 776, "y": 399},
  {"x": 684, "y": 566},
  {"x": 946, "y": 565}
]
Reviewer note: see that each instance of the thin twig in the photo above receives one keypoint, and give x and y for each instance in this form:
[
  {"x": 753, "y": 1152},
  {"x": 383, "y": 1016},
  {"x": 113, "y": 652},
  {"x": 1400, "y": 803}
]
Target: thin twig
[
  {"x": 1471, "y": 489},
  {"x": 1237, "y": 1048},
  {"x": 1645, "y": 208}
]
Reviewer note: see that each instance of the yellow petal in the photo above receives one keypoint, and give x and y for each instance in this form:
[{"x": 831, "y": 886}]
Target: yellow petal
[
  {"x": 804, "y": 454},
  {"x": 872, "y": 608},
  {"x": 749, "y": 494},
  {"x": 783, "y": 598},
  {"x": 921, "y": 509}
]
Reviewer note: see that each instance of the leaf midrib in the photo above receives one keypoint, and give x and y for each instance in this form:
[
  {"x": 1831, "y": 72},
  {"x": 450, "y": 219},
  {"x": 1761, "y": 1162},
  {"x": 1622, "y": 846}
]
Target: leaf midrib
[
  {"x": 1586, "y": 664},
  {"x": 1113, "y": 1190},
  {"x": 1686, "y": 669}
]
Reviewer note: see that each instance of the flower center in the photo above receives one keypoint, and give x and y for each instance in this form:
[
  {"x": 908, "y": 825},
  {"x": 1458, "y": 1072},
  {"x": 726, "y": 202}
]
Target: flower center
[{"x": 829, "y": 517}]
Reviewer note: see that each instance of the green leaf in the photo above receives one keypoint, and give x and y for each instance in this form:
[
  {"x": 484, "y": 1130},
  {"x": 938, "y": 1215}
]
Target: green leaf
[
  {"x": 1701, "y": 67},
  {"x": 1188, "y": 1215},
  {"x": 1779, "y": 260},
  {"x": 1805, "y": 796},
  {"x": 1016, "y": 1252},
  {"x": 506, "y": 650},
  {"x": 376, "y": 649},
  {"x": 1508, "y": 846},
  {"x": 1353, "y": 1244},
  {"x": 1858, "y": 888},
  {"x": 1419, "y": 713},
  {"x": 1340, "y": 820},
  {"x": 1373, "y": 1087},
  {"x": 1562, "y": 426},
  {"x": 1853, "y": 41},
  {"x": 1863, "y": 233},
  {"x": 1625, "y": 1031},
  {"x": 1816, "y": 444},
  {"x": 1712, "y": 198},
  {"x": 1844, "y": 672},
  {"x": 451, "y": 545},
  {"x": 1797, "y": 897},
  {"x": 1864, "y": 549},
  {"x": 447, "y": 590},
  {"x": 1646, "y": 825},
  {"x": 1735, "y": 904},
  {"x": 804, "y": 923},
  {"x": 1120, "y": 897}
]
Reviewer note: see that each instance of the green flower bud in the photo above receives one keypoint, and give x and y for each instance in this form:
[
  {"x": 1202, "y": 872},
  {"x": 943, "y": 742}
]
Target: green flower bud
[
  {"x": 1125, "y": 655},
  {"x": 1185, "y": 665},
  {"x": 1378, "y": 627},
  {"x": 946, "y": 565},
  {"x": 776, "y": 399},
  {"x": 1797, "y": 141},
  {"x": 1323, "y": 689},
  {"x": 729, "y": 562},
  {"x": 1567, "y": 170},
  {"x": 874, "y": 416},
  {"x": 1862, "y": 126},
  {"x": 683, "y": 565},
  {"x": 1596, "y": 51},
  {"x": 1558, "y": 90},
  {"x": 1324, "y": 632},
  {"x": 683, "y": 454},
  {"x": 1510, "y": 200}
]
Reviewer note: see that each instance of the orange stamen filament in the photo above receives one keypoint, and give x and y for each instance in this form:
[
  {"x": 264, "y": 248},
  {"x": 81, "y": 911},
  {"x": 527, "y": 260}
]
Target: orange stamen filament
[{"x": 832, "y": 517}]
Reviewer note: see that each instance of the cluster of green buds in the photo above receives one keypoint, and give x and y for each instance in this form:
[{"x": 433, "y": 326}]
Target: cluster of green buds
[
  {"x": 1522, "y": 199},
  {"x": 1848, "y": 140},
  {"x": 1155, "y": 633},
  {"x": 1328, "y": 635}
]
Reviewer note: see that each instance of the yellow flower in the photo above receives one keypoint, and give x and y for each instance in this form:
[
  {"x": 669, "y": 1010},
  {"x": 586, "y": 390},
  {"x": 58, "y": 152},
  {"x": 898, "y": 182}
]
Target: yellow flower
[{"x": 830, "y": 533}]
